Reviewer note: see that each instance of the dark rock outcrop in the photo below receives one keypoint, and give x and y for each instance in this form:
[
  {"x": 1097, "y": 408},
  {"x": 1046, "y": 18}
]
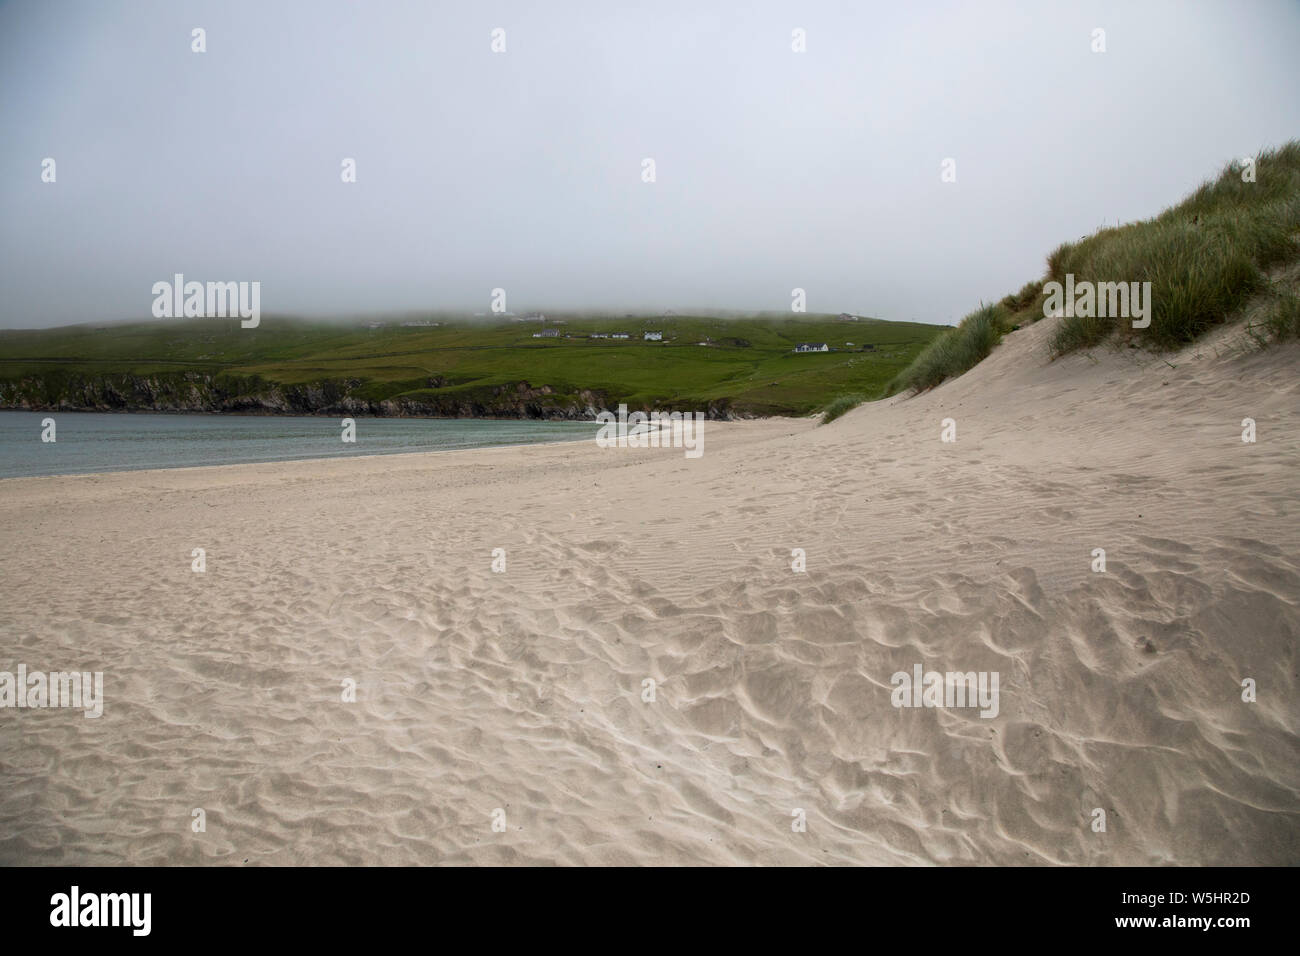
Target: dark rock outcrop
[{"x": 200, "y": 392}]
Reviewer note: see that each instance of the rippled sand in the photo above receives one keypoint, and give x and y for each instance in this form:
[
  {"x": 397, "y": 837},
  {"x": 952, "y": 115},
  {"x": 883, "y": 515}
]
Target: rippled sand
[{"x": 523, "y": 690}]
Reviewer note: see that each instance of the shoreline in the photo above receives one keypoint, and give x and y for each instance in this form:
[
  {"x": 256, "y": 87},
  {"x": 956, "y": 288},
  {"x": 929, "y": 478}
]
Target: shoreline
[
  {"x": 275, "y": 461},
  {"x": 387, "y": 454}
]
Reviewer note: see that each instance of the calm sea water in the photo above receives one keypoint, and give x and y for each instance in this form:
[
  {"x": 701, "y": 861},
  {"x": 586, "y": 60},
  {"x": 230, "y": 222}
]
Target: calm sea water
[{"x": 90, "y": 442}]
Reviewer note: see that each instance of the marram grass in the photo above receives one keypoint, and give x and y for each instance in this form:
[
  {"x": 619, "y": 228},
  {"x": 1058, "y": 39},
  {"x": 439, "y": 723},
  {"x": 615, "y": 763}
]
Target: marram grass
[
  {"x": 842, "y": 404},
  {"x": 1205, "y": 258}
]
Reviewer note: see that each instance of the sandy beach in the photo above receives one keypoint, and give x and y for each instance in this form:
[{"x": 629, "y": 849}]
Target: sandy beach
[{"x": 524, "y": 690}]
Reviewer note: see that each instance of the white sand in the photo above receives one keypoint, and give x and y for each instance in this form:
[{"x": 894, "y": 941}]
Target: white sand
[{"x": 522, "y": 690}]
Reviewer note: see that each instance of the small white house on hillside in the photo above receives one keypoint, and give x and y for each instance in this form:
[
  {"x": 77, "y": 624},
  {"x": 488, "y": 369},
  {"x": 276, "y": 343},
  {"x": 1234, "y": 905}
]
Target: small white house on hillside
[{"x": 812, "y": 347}]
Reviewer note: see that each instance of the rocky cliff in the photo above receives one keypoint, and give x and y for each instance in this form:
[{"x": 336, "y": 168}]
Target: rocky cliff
[{"x": 198, "y": 392}]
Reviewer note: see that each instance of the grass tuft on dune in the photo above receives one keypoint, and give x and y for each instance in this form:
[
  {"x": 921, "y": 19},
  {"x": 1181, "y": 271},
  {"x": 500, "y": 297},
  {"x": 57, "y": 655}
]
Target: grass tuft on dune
[
  {"x": 842, "y": 404},
  {"x": 955, "y": 351}
]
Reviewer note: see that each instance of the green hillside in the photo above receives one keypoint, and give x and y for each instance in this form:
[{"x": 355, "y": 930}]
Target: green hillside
[{"x": 461, "y": 367}]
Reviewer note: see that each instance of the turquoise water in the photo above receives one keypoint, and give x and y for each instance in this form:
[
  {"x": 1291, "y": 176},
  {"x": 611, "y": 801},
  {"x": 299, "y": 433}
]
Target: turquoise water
[{"x": 89, "y": 442}]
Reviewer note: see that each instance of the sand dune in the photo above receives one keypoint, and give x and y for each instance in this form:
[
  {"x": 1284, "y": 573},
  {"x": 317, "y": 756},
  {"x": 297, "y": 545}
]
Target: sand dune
[{"x": 522, "y": 690}]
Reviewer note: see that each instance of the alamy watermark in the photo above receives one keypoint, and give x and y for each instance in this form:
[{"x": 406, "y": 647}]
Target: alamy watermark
[
  {"x": 652, "y": 430},
  {"x": 75, "y": 908},
  {"x": 923, "y": 688},
  {"x": 1123, "y": 300},
  {"x": 213, "y": 300},
  {"x": 36, "y": 690}
]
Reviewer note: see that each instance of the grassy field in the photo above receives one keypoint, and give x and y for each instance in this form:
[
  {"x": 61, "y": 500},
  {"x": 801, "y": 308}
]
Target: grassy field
[{"x": 746, "y": 367}]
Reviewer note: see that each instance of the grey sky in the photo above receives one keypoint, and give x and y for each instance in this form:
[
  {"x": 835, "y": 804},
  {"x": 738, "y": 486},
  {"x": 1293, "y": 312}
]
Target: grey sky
[{"x": 522, "y": 170}]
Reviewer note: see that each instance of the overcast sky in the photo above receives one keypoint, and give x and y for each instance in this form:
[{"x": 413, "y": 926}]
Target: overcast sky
[{"x": 524, "y": 169}]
